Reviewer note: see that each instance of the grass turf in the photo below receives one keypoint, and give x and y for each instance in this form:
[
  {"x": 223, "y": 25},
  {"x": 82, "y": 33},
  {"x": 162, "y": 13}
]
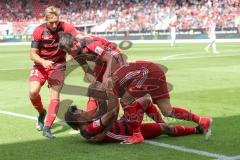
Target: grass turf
[{"x": 204, "y": 83}]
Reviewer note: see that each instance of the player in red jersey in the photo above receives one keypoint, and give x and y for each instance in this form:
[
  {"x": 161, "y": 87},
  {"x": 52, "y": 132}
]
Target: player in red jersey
[
  {"x": 49, "y": 66},
  {"x": 98, "y": 130},
  {"x": 142, "y": 78},
  {"x": 107, "y": 58},
  {"x": 134, "y": 80},
  {"x": 105, "y": 55}
]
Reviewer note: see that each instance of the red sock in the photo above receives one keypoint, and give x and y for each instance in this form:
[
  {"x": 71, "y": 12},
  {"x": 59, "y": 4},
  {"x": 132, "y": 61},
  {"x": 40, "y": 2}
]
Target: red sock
[
  {"x": 91, "y": 105},
  {"x": 182, "y": 131},
  {"x": 180, "y": 113},
  {"x": 52, "y": 112},
  {"x": 37, "y": 103},
  {"x": 150, "y": 130},
  {"x": 134, "y": 116},
  {"x": 153, "y": 113}
]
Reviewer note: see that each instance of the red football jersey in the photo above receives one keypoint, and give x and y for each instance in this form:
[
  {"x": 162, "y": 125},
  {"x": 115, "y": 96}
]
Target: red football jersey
[
  {"x": 47, "y": 42},
  {"x": 141, "y": 78},
  {"x": 93, "y": 49}
]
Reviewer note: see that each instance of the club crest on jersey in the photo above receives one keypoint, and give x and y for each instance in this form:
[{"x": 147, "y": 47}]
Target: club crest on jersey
[
  {"x": 96, "y": 123},
  {"x": 98, "y": 50}
]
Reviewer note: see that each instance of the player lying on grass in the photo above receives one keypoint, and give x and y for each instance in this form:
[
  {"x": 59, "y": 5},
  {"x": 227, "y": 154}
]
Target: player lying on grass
[
  {"x": 135, "y": 80},
  {"x": 107, "y": 129}
]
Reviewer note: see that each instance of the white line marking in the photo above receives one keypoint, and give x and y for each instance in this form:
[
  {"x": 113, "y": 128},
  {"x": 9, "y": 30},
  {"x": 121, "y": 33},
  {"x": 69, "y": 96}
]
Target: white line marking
[
  {"x": 28, "y": 117},
  {"x": 172, "y": 56},
  {"x": 229, "y": 158},
  {"x": 18, "y": 115},
  {"x": 186, "y": 56},
  {"x": 178, "y": 148},
  {"x": 188, "y": 150}
]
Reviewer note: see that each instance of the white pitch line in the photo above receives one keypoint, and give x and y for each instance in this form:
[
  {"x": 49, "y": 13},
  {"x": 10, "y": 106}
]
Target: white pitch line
[
  {"x": 18, "y": 115},
  {"x": 188, "y": 150},
  {"x": 28, "y": 117},
  {"x": 174, "y": 147},
  {"x": 172, "y": 56},
  {"x": 229, "y": 158},
  {"x": 179, "y": 56}
]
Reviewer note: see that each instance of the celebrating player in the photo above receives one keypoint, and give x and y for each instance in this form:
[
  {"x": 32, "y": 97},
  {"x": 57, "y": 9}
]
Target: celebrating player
[
  {"x": 49, "y": 66},
  {"x": 134, "y": 80},
  {"x": 98, "y": 130},
  {"x": 138, "y": 79},
  {"x": 106, "y": 56}
]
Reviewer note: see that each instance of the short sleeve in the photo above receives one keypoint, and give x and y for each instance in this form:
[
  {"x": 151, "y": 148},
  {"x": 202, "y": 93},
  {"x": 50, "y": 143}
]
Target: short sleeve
[
  {"x": 69, "y": 29},
  {"x": 36, "y": 38},
  {"x": 97, "y": 48}
]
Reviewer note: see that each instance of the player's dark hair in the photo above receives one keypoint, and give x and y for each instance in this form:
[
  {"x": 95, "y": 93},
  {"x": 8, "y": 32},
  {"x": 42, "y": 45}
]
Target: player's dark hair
[
  {"x": 71, "y": 117},
  {"x": 66, "y": 40}
]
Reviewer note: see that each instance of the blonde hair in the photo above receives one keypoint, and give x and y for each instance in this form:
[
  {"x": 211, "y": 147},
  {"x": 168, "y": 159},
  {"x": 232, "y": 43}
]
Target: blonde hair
[{"x": 51, "y": 11}]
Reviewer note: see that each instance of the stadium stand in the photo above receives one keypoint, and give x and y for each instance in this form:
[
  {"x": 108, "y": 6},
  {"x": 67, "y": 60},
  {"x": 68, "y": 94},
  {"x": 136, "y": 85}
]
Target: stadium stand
[{"x": 123, "y": 15}]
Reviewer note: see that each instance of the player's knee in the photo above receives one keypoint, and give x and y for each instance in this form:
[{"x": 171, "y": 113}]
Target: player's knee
[
  {"x": 166, "y": 129},
  {"x": 165, "y": 107},
  {"x": 170, "y": 131},
  {"x": 33, "y": 94},
  {"x": 166, "y": 113}
]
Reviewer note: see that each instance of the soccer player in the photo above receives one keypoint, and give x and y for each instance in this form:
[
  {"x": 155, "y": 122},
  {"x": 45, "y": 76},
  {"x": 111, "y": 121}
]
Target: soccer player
[
  {"x": 105, "y": 55},
  {"x": 173, "y": 26},
  {"x": 135, "y": 80},
  {"x": 98, "y": 130},
  {"x": 48, "y": 66},
  {"x": 212, "y": 37}
]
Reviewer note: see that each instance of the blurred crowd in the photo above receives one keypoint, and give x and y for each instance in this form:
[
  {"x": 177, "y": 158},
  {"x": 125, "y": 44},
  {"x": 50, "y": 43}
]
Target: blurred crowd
[{"x": 127, "y": 15}]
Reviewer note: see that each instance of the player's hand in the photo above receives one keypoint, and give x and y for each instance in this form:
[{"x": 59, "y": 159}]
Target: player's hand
[
  {"x": 89, "y": 78},
  {"x": 47, "y": 64}
]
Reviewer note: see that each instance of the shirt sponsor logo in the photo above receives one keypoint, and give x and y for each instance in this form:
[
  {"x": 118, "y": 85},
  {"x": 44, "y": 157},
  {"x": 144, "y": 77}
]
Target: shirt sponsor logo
[
  {"x": 96, "y": 123},
  {"x": 98, "y": 50}
]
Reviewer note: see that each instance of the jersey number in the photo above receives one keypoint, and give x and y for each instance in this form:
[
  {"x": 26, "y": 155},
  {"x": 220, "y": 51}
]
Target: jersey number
[{"x": 34, "y": 73}]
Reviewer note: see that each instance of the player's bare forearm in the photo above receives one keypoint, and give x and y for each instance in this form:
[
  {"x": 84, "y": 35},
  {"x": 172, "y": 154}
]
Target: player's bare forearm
[
  {"x": 113, "y": 63},
  {"x": 112, "y": 103},
  {"x": 98, "y": 138},
  {"x": 127, "y": 99},
  {"x": 36, "y": 58},
  {"x": 88, "y": 73}
]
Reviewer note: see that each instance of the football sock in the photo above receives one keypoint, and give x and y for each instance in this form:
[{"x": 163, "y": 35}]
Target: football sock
[
  {"x": 151, "y": 130},
  {"x": 154, "y": 114},
  {"x": 133, "y": 116},
  {"x": 52, "y": 112},
  {"x": 91, "y": 105},
  {"x": 182, "y": 131},
  {"x": 180, "y": 113},
  {"x": 37, "y": 103}
]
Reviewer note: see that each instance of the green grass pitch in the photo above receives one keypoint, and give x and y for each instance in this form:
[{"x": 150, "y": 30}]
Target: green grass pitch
[{"x": 204, "y": 83}]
